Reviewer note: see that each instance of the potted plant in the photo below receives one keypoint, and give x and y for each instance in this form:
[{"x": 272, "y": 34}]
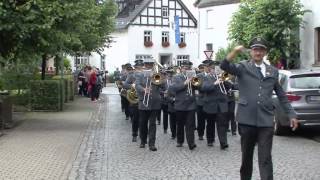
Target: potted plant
[
  {"x": 148, "y": 43},
  {"x": 182, "y": 44},
  {"x": 165, "y": 44}
]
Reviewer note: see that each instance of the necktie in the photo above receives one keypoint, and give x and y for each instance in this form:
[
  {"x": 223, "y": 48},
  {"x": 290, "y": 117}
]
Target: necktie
[{"x": 260, "y": 73}]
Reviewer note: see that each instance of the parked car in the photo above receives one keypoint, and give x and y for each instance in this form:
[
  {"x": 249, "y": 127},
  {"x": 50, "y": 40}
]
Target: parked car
[{"x": 303, "y": 91}]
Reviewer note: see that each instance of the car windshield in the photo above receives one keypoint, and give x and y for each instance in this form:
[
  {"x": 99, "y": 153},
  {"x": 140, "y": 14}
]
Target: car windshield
[{"x": 305, "y": 81}]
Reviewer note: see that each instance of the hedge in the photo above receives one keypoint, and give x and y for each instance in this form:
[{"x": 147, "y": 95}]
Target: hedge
[
  {"x": 45, "y": 95},
  {"x": 68, "y": 85}
]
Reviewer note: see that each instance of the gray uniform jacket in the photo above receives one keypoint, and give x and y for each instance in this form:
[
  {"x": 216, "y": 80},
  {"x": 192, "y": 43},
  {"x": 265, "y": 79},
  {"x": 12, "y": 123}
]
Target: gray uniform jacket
[
  {"x": 183, "y": 101},
  {"x": 200, "y": 95},
  {"x": 255, "y": 94},
  {"x": 171, "y": 98},
  {"x": 154, "y": 98},
  {"x": 131, "y": 78},
  {"x": 214, "y": 100}
]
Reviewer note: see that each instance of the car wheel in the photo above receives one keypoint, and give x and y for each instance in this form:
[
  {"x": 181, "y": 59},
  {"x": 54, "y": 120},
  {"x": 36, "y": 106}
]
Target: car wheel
[{"x": 279, "y": 130}]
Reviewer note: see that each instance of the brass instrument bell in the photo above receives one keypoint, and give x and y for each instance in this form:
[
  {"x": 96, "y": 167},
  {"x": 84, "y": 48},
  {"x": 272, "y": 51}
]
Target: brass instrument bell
[{"x": 132, "y": 96}]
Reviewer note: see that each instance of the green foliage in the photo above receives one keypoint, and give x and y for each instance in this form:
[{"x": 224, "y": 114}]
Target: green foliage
[
  {"x": 67, "y": 64},
  {"x": 277, "y": 21},
  {"x": 16, "y": 75},
  {"x": 45, "y": 95},
  {"x": 68, "y": 85},
  {"x": 33, "y": 28},
  {"x": 223, "y": 52}
]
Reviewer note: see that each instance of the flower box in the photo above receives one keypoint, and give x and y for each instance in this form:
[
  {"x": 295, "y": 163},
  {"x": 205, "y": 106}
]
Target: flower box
[
  {"x": 148, "y": 44},
  {"x": 165, "y": 44},
  {"x": 182, "y": 45}
]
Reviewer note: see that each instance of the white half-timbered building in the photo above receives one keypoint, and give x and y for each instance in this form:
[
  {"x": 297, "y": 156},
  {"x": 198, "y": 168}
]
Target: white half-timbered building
[{"x": 145, "y": 29}]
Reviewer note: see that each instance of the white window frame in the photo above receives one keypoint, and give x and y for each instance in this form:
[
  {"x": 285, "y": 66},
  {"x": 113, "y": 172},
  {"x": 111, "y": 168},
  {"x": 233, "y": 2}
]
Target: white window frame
[
  {"x": 209, "y": 19},
  {"x": 143, "y": 57},
  {"x": 165, "y": 36},
  {"x": 147, "y": 36},
  {"x": 181, "y": 58},
  {"x": 182, "y": 37},
  {"x": 165, "y": 12}
]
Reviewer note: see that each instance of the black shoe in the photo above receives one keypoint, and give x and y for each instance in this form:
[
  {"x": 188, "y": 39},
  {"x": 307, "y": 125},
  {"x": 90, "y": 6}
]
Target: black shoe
[
  {"x": 210, "y": 144},
  {"x": 223, "y": 147},
  {"x": 173, "y": 137},
  {"x": 127, "y": 118},
  {"x": 234, "y": 133},
  {"x": 158, "y": 122},
  {"x": 142, "y": 145},
  {"x": 201, "y": 138},
  {"x": 192, "y": 146},
  {"x": 153, "y": 148},
  {"x": 228, "y": 130},
  {"x": 179, "y": 145},
  {"x": 134, "y": 139},
  {"x": 165, "y": 131}
]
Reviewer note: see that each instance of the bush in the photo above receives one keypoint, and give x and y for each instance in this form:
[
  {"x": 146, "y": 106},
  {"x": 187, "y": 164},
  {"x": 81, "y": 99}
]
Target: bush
[
  {"x": 45, "y": 95},
  {"x": 68, "y": 86}
]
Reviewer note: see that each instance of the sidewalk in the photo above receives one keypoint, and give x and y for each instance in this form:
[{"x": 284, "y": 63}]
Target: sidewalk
[{"x": 44, "y": 143}]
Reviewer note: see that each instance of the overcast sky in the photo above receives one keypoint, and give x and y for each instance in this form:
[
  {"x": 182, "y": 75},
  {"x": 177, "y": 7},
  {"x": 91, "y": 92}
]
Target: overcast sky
[{"x": 189, "y": 4}]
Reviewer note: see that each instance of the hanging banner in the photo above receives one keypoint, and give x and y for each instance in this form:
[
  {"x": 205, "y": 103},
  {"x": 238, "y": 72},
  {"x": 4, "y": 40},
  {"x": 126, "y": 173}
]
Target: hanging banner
[{"x": 177, "y": 29}]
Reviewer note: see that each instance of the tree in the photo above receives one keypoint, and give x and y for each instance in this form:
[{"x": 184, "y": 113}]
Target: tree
[
  {"x": 46, "y": 28},
  {"x": 223, "y": 52},
  {"x": 276, "y": 21}
]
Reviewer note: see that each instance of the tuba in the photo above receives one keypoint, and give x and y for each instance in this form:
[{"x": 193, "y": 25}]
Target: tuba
[{"x": 132, "y": 96}]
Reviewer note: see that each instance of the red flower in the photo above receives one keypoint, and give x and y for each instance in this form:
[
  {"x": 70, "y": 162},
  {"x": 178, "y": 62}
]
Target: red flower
[
  {"x": 165, "y": 44},
  {"x": 148, "y": 43},
  {"x": 182, "y": 44}
]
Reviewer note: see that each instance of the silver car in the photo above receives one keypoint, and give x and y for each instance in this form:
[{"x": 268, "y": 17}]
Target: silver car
[{"x": 303, "y": 91}]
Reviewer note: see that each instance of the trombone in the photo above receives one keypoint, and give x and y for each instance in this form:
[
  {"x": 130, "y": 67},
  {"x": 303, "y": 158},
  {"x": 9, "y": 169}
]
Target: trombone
[
  {"x": 195, "y": 82},
  {"x": 223, "y": 77},
  {"x": 156, "y": 79}
]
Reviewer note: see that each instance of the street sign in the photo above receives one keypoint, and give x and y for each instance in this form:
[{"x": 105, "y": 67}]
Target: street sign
[
  {"x": 208, "y": 53},
  {"x": 177, "y": 29}
]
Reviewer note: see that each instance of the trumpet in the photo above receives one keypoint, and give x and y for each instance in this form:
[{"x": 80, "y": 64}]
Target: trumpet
[{"x": 196, "y": 82}]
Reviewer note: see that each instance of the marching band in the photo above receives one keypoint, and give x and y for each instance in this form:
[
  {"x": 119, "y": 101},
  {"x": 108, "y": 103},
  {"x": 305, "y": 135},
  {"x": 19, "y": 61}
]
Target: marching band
[{"x": 188, "y": 99}]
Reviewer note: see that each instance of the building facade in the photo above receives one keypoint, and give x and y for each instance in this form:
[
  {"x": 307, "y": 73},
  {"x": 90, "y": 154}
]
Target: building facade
[
  {"x": 145, "y": 29},
  {"x": 213, "y": 19},
  {"x": 310, "y": 35}
]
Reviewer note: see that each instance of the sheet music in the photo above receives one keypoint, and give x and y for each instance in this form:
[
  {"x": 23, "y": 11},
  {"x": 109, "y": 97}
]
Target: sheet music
[
  {"x": 147, "y": 73},
  {"x": 190, "y": 74}
]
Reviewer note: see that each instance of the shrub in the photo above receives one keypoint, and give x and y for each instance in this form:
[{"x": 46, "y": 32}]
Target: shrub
[{"x": 45, "y": 95}]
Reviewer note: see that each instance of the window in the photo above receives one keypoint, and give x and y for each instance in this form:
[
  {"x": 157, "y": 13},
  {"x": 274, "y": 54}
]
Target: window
[
  {"x": 143, "y": 56},
  {"x": 305, "y": 81},
  {"x": 209, "y": 46},
  {"x": 147, "y": 36},
  {"x": 165, "y": 12},
  {"x": 165, "y": 37},
  {"x": 209, "y": 19},
  {"x": 181, "y": 58},
  {"x": 182, "y": 37},
  {"x": 81, "y": 60}
]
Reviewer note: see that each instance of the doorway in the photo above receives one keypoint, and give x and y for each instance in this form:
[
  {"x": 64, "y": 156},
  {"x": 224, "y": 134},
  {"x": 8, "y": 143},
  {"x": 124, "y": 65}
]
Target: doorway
[{"x": 165, "y": 59}]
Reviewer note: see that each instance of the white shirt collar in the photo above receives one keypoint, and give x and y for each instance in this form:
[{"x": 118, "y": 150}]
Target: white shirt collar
[{"x": 263, "y": 68}]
